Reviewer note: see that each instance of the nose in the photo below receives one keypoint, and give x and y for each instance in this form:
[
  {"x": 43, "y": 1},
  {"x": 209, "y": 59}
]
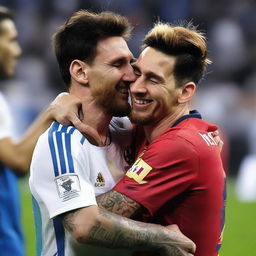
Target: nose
[
  {"x": 138, "y": 87},
  {"x": 129, "y": 75},
  {"x": 18, "y": 50}
]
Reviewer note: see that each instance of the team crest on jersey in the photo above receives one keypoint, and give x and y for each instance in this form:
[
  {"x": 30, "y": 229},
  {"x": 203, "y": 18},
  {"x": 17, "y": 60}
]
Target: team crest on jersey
[
  {"x": 139, "y": 171},
  {"x": 68, "y": 186},
  {"x": 100, "y": 181}
]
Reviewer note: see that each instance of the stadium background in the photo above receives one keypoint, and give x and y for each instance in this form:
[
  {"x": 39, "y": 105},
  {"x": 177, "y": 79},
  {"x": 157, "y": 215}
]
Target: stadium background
[{"x": 227, "y": 96}]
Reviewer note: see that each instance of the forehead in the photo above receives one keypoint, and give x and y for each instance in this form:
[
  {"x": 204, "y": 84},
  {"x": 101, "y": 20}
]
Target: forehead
[
  {"x": 7, "y": 28},
  {"x": 152, "y": 60},
  {"x": 112, "y": 48}
]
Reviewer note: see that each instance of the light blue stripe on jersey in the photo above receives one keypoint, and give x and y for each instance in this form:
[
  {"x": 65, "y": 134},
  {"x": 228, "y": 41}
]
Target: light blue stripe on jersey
[
  {"x": 60, "y": 236},
  {"x": 61, "y": 133},
  {"x": 38, "y": 226}
]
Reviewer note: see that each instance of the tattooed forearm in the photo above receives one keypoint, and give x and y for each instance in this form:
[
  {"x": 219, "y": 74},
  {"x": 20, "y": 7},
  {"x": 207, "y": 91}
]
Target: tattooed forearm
[
  {"x": 129, "y": 234},
  {"x": 101, "y": 228},
  {"x": 118, "y": 203}
]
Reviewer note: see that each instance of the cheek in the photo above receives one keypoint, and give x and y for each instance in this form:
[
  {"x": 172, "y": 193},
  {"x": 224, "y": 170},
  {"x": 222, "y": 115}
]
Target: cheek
[
  {"x": 168, "y": 100},
  {"x": 2, "y": 53}
]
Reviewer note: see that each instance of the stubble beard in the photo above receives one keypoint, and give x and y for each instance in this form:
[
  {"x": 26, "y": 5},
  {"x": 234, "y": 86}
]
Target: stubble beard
[
  {"x": 146, "y": 120},
  {"x": 106, "y": 100},
  {"x": 4, "y": 75}
]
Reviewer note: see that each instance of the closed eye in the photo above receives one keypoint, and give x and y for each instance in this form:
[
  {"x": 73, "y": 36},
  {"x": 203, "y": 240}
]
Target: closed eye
[
  {"x": 117, "y": 64},
  {"x": 153, "y": 81},
  {"x": 136, "y": 71}
]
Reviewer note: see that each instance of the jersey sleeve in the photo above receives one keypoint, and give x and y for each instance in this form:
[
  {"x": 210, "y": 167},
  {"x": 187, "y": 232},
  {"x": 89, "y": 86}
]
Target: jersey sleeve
[
  {"x": 167, "y": 169},
  {"x": 60, "y": 177}
]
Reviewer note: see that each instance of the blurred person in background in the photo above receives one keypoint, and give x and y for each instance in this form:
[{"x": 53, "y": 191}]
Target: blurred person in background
[
  {"x": 15, "y": 157},
  {"x": 68, "y": 171},
  {"x": 246, "y": 178}
]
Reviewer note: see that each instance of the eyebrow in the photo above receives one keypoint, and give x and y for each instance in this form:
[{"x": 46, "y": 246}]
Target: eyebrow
[
  {"x": 149, "y": 74},
  {"x": 122, "y": 59}
]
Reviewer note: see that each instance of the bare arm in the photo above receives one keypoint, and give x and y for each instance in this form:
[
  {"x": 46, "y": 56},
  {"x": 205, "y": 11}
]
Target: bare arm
[
  {"x": 98, "y": 227},
  {"x": 17, "y": 155}
]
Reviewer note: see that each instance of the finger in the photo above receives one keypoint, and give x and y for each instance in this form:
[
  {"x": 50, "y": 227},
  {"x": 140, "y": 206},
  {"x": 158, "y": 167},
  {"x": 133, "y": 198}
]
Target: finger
[
  {"x": 215, "y": 133},
  {"x": 80, "y": 126},
  {"x": 92, "y": 135},
  {"x": 174, "y": 227}
]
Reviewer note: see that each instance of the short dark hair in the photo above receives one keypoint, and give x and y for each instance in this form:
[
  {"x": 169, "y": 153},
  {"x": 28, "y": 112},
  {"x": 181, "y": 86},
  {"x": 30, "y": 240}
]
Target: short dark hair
[
  {"x": 5, "y": 14},
  {"x": 77, "y": 38},
  {"x": 184, "y": 42}
]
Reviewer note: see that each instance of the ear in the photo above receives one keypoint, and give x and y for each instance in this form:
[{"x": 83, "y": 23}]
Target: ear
[
  {"x": 186, "y": 93},
  {"x": 78, "y": 71}
]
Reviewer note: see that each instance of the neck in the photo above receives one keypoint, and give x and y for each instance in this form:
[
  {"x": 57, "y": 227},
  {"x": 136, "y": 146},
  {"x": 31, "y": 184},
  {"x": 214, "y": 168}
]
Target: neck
[
  {"x": 97, "y": 119},
  {"x": 153, "y": 131},
  {"x": 92, "y": 115}
]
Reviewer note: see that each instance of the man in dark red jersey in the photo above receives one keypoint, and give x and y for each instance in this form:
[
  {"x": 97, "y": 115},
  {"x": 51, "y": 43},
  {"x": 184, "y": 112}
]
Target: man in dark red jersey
[{"x": 178, "y": 176}]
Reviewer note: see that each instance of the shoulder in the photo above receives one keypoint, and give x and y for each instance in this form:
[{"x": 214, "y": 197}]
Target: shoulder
[
  {"x": 60, "y": 131},
  {"x": 170, "y": 150},
  {"x": 59, "y": 137},
  {"x": 172, "y": 141},
  {"x": 193, "y": 131}
]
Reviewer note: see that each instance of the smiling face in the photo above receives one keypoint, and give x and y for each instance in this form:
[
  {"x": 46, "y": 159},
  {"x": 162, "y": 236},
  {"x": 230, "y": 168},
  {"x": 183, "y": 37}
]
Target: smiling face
[
  {"x": 9, "y": 48},
  {"x": 110, "y": 76},
  {"x": 154, "y": 95}
]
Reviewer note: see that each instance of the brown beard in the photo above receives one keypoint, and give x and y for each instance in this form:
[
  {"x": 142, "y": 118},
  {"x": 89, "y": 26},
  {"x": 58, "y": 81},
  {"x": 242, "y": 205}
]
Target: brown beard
[
  {"x": 141, "y": 121},
  {"x": 106, "y": 100}
]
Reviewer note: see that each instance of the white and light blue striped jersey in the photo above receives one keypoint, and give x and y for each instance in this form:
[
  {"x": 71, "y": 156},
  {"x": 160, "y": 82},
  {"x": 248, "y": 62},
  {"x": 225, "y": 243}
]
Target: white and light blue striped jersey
[{"x": 67, "y": 172}]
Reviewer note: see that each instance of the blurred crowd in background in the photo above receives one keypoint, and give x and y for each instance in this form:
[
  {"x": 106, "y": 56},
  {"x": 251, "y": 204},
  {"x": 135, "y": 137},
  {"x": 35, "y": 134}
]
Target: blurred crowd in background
[{"x": 226, "y": 97}]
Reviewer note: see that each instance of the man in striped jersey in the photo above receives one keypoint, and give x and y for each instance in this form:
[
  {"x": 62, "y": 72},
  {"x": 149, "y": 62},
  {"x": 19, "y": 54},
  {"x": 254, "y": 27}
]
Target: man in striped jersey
[{"x": 68, "y": 171}]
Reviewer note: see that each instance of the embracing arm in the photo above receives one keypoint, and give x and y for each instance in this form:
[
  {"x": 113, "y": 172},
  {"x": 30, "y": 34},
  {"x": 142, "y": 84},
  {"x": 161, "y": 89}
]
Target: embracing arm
[
  {"x": 98, "y": 227},
  {"x": 119, "y": 203},
  {"x": 17, "y": 155}
]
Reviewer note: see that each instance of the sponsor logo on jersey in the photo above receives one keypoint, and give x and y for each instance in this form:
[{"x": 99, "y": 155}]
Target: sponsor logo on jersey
[
  {"x": 208, "y": 138},
  {"x": 100, "y": 181},
  {"x": 139, "y": 171},
  {"x": 68, "y": 186}
]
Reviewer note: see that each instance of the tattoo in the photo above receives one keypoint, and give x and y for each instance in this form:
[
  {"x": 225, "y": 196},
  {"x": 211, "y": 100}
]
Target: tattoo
[
  {"x": 120, "y": 204},
  {"x": 113, "y": 231},
  {"x": 67, "y": 220},
  {"x": 124, "y": 233}
]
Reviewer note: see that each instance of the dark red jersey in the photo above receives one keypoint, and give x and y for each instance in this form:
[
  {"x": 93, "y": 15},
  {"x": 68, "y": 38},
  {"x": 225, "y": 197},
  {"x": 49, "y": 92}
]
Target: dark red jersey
[{"x": 179, "y": 179}]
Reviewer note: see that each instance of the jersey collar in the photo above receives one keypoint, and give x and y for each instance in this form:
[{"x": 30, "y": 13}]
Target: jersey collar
[{"x": 192, "y": 114}]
